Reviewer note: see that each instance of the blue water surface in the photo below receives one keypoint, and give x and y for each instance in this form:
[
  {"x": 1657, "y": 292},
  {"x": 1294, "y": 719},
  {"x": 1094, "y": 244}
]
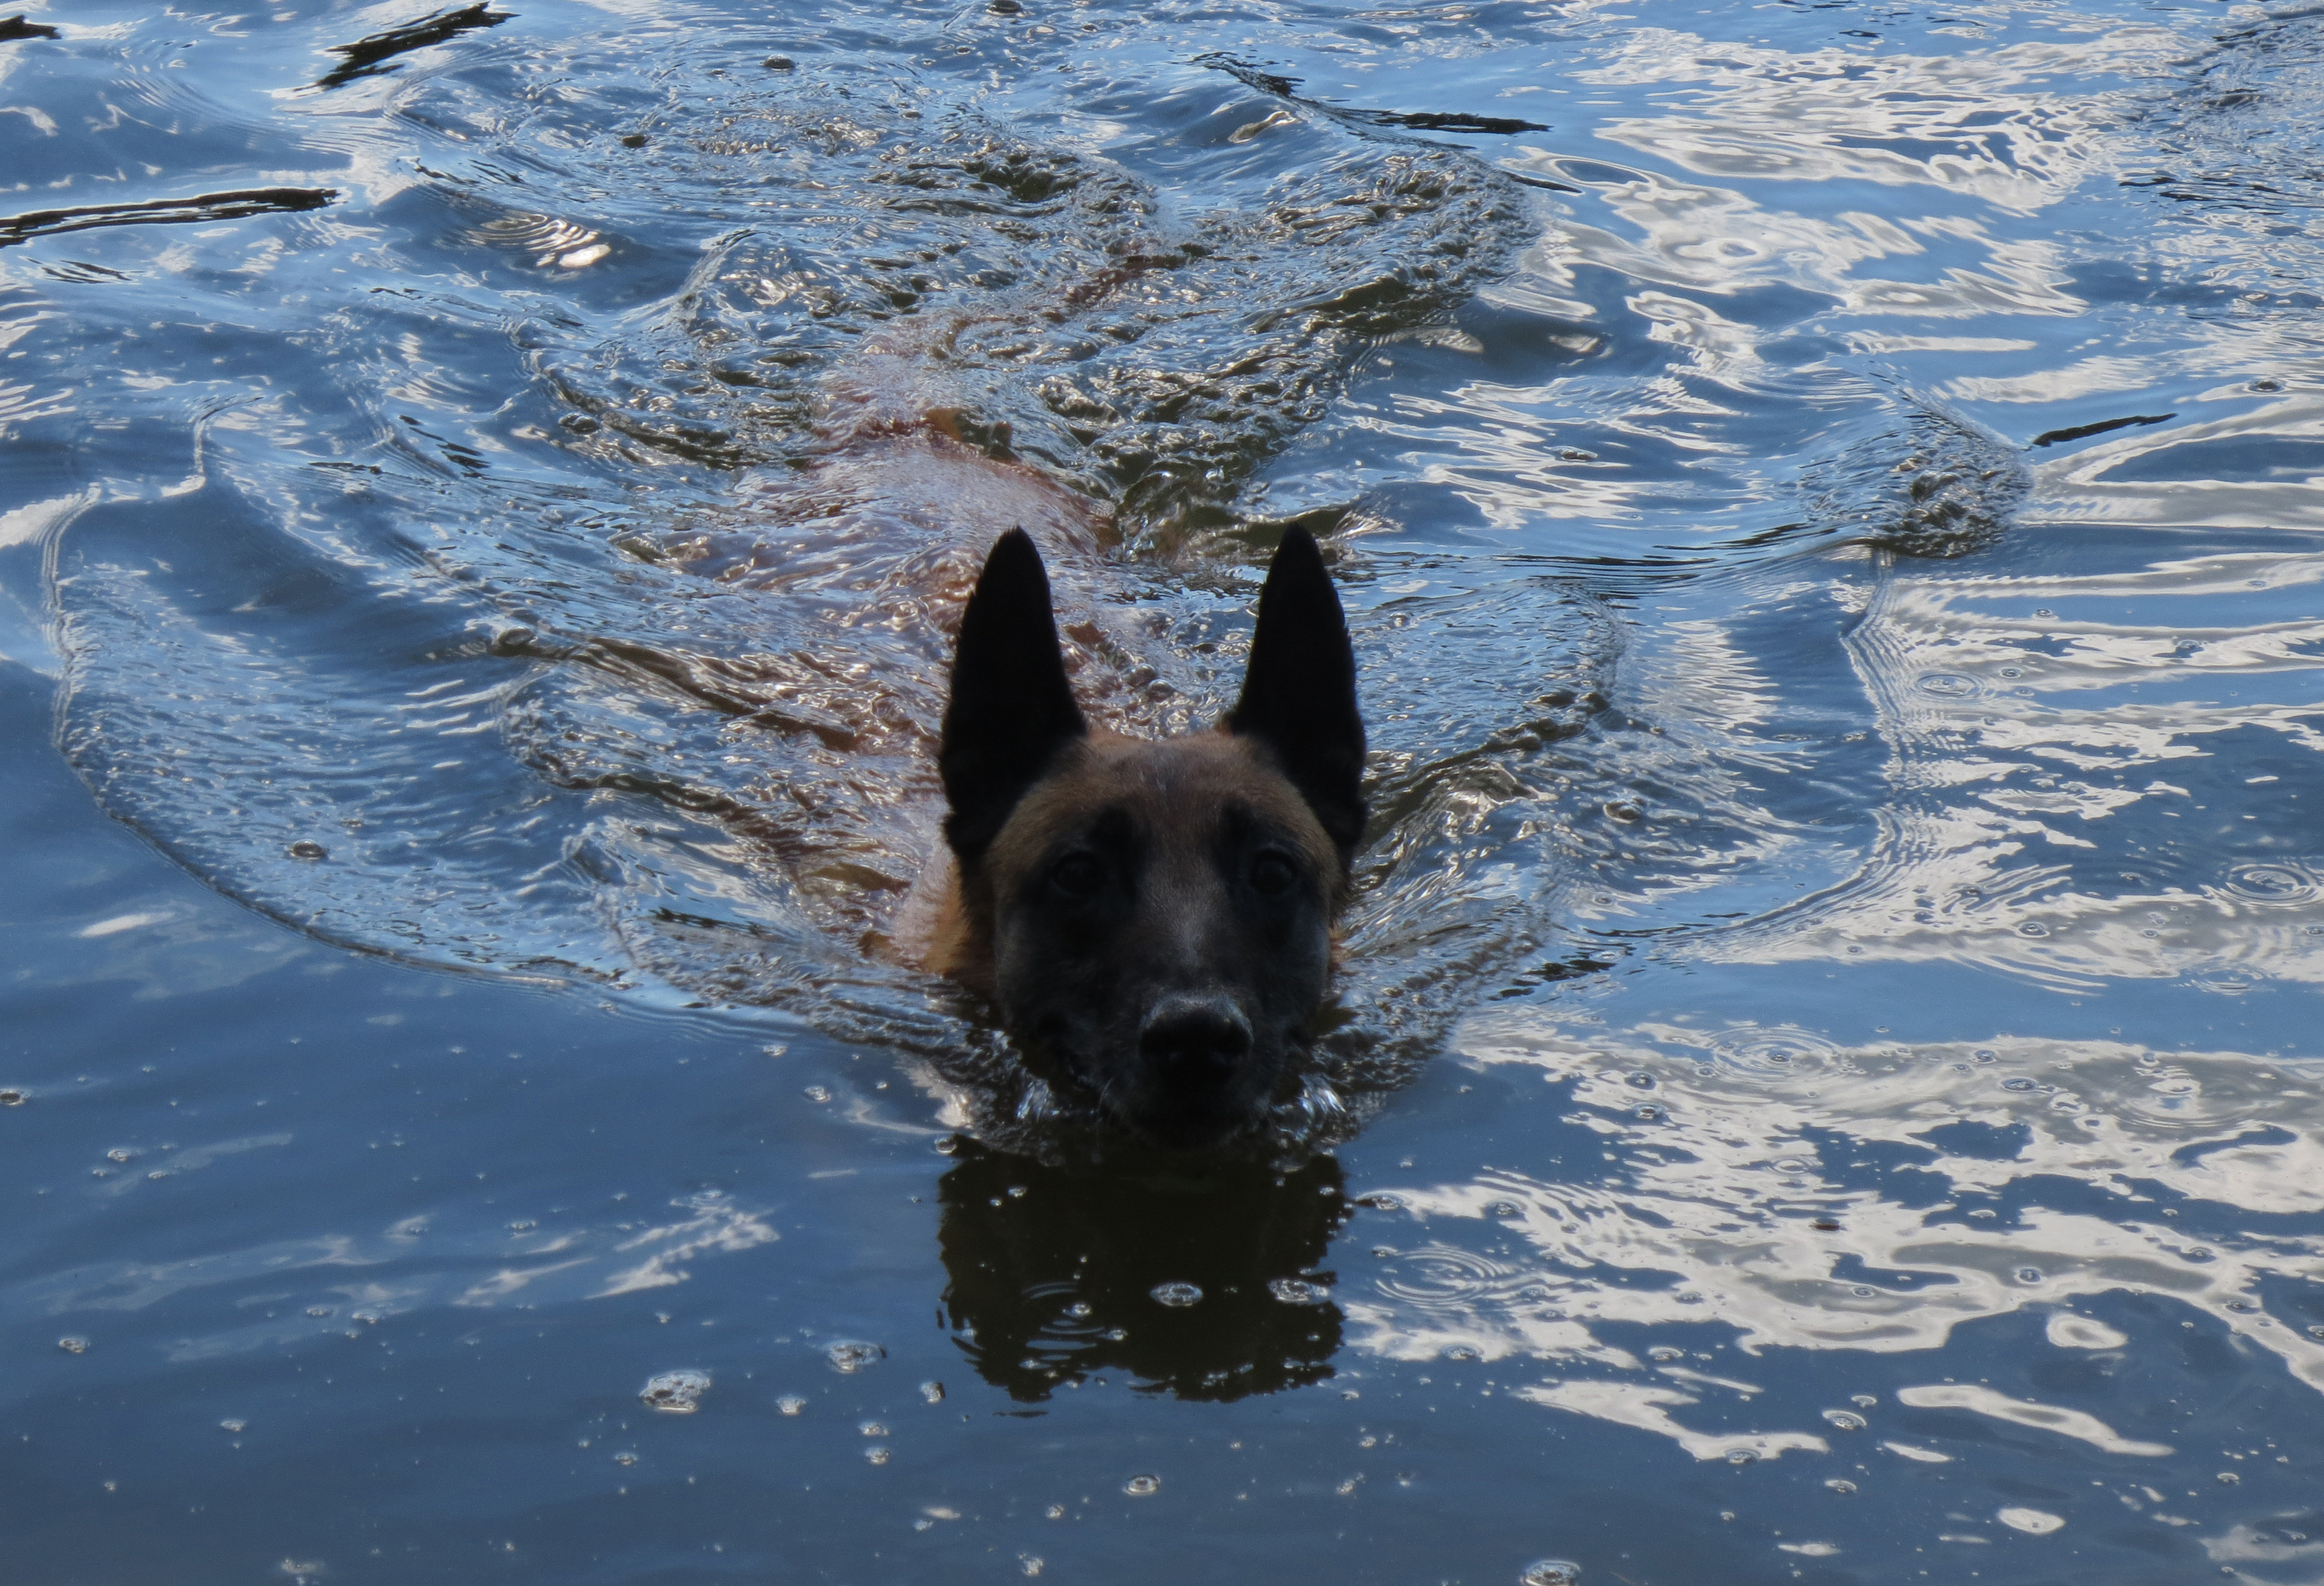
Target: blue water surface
[{"x": 1824, "y": 493}]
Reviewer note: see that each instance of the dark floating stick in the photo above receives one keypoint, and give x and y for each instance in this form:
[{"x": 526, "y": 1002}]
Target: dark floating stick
[
  {"x": 362, "y": 58},
  {"x": 2084, "y": 432},
  {"x": 13, "y": 28},
  {"x": 1287, "y": 87},
  {"x": 232, "y": 206},
  {"x": 1439, "y": 121}
]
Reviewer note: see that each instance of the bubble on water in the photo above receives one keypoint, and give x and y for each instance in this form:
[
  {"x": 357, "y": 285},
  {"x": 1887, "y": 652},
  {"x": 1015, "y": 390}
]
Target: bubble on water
[
  {"x": 2018, "y": 1084},
  {"x": 1665, "y": 1354},
  {"x": 2032, "y": 1522},
  {"x": 2044, "y": 612},
  {"x": 1176, "y": 1296},
  {"x": 2032, "y": 927},
  {"x": 1839, "y": 1484},
  {"x": 1295, "y": 1291},
  {"x": 1947, "y": 685},
  {"x": 234, "y": 1423},
  {"x": 119, "y": 1154},
  {"x": 73, "y": 1346},
  {"x": 1845, "y": 1420},
  {"x": 932, "y": 1392},
  {"x": 1464, "y": 1353},
  {"x": 790, "y": 1404},
  {"x": 1771, "y": 1052},
  {"x": 2273, "y": 883},
  {"x": 1381, "y": 1203},
  {"x": 303, "y": 849},
  {"x": 851, "y": 1355},
  {"x": 626, "y": 1457},
  {"x": 1740, "y": 1456},
  {"x": 875, "y": 1456},
  {"x": 1643, "y": 1082},
  {"x": 1446, "y": 1278},
  {"x": 1504, "y": 1209},
  {"x": 1986, "y": 1055},
  {"x": 872, "y": 1429},
  {"x": 1142, "y": 1486},
  {"x": 12, "y": 1098},
  {"x": 2227, "y": 1479},
  {"x": 816, "y": 1093},
  {"x": 2070, "y": 1331},
  {"x": 1624, "y": 813},
  {"x": 1549, "y": 1571},
  {"x": 678, "y": 1392}
]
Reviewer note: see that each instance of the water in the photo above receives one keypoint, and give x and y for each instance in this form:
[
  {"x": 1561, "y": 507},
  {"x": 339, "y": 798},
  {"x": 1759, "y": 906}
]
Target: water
[{"x": 1826, "y": 1088}]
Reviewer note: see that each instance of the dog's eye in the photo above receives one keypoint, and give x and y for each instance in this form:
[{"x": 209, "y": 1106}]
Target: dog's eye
[
  {"x": 1273, "y": 874},
  {"x": 1077, "y": 875}
]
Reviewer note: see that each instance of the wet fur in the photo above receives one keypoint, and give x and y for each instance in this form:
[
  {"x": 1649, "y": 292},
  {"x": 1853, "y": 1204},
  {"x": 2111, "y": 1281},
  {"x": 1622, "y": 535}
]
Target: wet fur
[{"x": 1152, "y": 918}]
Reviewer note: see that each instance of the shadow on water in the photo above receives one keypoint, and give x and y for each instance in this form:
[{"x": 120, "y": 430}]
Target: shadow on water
[{"x": 1201, "y": 1282}]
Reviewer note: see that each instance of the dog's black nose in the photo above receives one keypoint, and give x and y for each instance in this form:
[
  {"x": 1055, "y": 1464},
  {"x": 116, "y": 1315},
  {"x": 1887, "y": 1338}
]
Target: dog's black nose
[{"x": 1200, "y": 1037}]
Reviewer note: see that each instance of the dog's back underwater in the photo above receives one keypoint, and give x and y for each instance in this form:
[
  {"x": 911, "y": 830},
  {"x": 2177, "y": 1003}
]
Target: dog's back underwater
[{"x": 1152, "y": 918}]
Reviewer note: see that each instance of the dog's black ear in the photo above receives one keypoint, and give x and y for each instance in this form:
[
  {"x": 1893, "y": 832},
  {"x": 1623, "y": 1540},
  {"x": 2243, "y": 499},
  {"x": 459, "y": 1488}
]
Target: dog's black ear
[
  {"x": 1299, "y": 692},
  {"x": 1011, "y": 708}
]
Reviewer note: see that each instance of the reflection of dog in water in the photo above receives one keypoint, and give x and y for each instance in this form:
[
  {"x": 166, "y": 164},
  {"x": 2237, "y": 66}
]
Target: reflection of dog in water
[
  {"x": 1204, "y": 1285},
  {"x": 1152, "y": 918}
]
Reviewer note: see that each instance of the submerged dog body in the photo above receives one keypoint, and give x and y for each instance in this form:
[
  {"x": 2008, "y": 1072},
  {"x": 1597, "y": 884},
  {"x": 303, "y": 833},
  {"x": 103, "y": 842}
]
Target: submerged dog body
[{"x": 1152, "y": 918}]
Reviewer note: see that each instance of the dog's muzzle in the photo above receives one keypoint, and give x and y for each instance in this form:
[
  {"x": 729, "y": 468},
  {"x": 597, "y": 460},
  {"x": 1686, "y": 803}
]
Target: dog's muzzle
[{"x": 1196, "y": 1052}]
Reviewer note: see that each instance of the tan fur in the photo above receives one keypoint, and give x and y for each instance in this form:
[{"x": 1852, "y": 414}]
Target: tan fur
[{"x": 1172, "y": 783}]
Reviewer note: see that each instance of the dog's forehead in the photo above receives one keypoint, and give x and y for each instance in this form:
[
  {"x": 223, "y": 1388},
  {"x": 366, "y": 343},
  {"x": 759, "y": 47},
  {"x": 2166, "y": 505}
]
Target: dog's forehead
[{"x": 1186, "y": 785}]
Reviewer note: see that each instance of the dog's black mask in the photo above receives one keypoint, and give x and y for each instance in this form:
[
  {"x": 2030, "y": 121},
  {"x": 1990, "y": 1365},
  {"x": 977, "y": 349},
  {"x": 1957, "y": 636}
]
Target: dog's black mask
[{"x": 1156, "y": 917}]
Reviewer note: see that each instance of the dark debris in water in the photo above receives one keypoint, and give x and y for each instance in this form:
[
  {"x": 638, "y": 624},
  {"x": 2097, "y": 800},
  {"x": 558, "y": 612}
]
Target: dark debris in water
[
  {"x": 1288, "y": 88},
  {"x": 13, "y": 28},
  {"x": 205, "y": 207},
  {"x": 2084, "y": 432},
  {"x": 364, "y": 58}
]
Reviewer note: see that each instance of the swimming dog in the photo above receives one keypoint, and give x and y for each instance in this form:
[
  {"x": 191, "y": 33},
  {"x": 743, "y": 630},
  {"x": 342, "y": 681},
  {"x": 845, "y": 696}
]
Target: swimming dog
[{"x": 1152, "y": 919}]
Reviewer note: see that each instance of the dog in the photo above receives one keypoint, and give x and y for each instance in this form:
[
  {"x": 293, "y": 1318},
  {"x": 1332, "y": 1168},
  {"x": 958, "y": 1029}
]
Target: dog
[{"x": 1152, "y": 919}]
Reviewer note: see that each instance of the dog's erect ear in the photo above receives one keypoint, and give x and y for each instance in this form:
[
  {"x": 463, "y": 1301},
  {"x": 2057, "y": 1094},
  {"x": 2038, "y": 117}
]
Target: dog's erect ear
[
  {"x": 1011, "y": 708},
  {"x": 1299, "y": 694}
]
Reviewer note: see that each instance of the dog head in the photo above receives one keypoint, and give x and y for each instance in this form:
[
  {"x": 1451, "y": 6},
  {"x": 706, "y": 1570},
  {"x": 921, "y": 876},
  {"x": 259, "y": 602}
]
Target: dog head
[{"x": 1154, "y": 919}]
